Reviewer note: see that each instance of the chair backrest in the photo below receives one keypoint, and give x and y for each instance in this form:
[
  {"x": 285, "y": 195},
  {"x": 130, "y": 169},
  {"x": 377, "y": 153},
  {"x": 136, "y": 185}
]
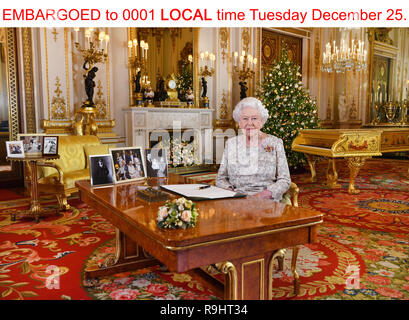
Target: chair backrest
[{"x": 72, "y": 154}]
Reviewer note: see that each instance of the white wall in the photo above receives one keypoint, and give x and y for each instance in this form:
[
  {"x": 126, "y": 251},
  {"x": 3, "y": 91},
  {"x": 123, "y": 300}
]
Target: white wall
[{"x": 119, "y": 77}]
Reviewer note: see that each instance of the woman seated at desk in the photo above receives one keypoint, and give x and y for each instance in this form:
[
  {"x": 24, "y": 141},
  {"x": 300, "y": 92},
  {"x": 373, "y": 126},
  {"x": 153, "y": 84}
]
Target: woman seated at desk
[{"x": 254, "y": 162}]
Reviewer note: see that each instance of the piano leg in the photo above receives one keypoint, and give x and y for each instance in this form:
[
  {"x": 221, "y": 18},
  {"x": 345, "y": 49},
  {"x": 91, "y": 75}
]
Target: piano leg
[
  {"x": 332, "y": 175},
  {"x": 354, "y": 164},
  {"x": 311, "y": 162}
]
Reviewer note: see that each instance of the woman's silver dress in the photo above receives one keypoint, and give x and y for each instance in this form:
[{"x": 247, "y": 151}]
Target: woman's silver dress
[{"x": 253, "y": 169}]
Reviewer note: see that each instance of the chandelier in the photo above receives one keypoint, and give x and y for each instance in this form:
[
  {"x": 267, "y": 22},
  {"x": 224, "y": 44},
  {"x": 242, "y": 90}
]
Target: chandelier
[{"x": 344, "y": 58}]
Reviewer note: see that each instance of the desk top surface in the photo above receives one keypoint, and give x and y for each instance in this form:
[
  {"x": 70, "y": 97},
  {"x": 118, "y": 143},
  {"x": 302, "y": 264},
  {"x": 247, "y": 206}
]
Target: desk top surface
[{"x": 218, "y": 219}]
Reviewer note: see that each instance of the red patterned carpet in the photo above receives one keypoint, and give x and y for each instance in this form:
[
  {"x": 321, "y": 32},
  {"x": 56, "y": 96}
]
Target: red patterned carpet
[{"x": 362, "y": 250}]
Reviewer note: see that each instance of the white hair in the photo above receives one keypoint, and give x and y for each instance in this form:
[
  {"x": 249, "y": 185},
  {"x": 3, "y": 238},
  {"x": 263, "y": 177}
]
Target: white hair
[{"x": 250, "y": 102}]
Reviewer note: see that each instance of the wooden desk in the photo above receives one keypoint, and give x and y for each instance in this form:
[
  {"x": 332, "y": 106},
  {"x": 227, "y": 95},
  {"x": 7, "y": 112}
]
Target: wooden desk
[
  {"x": 35, "y": 211},
  {"x": 239, "y": 236}
]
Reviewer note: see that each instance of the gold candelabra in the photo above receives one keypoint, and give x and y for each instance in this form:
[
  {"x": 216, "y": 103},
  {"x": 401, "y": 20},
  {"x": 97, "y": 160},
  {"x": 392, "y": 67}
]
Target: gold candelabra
[
  {"x": 206, "y": 69},
  {"x": 93, "y": 52},
  {"x": 244, "y": 66},
  {"x": 206, "y": 64},
  {"x": 138, "y": 61}
]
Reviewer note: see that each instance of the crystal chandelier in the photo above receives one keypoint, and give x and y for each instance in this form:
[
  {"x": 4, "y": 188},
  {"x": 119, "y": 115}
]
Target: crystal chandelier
[{"x": 344, "y": 58}]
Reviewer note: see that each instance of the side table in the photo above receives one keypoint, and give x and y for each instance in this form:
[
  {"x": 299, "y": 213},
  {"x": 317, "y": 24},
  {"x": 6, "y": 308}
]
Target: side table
[{"x": 35, "y": 210}]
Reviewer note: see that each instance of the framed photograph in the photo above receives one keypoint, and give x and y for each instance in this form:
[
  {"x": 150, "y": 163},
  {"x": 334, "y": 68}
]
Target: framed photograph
[
  {"x": 15, "y": 149},
  {"x": 156, "y": 163},
  {"x": 33, "y": 143},
  {"x": 100, "y": 167},
  {"x": 50, "y": 145},
  {"x": 128, "y": 164}
]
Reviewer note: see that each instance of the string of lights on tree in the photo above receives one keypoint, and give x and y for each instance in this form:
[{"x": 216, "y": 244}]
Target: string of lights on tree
[{"x": 289, "y": 105}]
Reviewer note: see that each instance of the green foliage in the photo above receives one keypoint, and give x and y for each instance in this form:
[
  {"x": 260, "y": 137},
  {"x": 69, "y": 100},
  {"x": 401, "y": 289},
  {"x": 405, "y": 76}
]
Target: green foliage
[
  {"x": 184, "y": 80},
  {"x": 289, "y": 105}
]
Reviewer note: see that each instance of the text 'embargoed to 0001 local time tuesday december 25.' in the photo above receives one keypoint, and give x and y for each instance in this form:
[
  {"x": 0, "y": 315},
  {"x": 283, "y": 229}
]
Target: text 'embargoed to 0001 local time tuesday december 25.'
[{"x": 188, "y": 14}]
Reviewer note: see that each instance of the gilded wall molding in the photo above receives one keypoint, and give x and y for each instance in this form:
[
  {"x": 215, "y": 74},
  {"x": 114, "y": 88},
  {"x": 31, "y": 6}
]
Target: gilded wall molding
[
  {"x": 224, "y": 36},
  {"x": 223, "y": 106},
  {"x": 317, "y": 53},
  {"x": 28, "y": 80},
  {"x": 12, "y": 84},
  {"x": 100, "y": 103},
  {"x": 46, "y": 73},
  {"x": 58, "y": 105},
  {"x": 55, "y": 34},
  {"x": 108, "y": 85},
  {"x": 245, "y": 39},
  {"x": 67, "y": 73},
  {"x": 371, "y": 39},
  {"x": 196, "y": 87},
  {"x": 258, "y": 56}
]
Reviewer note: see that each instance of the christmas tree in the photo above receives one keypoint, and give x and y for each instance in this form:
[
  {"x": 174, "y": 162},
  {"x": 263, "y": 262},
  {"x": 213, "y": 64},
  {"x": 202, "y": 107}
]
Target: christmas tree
[
  {"x": 184, "y": 80},
  {"x": 289, "y": 104}
]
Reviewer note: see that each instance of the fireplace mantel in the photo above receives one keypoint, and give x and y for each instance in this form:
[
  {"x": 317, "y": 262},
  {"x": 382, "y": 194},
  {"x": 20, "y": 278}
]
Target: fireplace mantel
[{"x": 140, "y": 122}]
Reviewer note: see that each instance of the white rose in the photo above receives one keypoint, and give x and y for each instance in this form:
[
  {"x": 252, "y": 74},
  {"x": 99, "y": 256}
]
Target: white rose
[
  {"x": 186, "y": 215},
  {"x": 163, "y": 213}
]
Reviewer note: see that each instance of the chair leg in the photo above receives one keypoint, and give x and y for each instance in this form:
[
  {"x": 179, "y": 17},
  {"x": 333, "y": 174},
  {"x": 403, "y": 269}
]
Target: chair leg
[
  {"x": 62, "y": 201},
  {"x": 293, "y": 269}
]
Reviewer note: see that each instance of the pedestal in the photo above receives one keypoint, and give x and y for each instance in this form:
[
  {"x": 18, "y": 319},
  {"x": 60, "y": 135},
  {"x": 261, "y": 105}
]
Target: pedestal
[
  {"x": 85, "y": 124},
  {"x": 204, "y": 103},
  {"x": 138, "y": 99}
]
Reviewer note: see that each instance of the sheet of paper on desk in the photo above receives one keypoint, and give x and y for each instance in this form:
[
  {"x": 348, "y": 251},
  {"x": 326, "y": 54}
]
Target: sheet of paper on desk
[{"x": 193, "y": 191}]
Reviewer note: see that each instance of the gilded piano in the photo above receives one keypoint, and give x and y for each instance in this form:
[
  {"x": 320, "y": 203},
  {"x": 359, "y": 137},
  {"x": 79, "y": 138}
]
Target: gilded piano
[{"x": 355, "y": 145}]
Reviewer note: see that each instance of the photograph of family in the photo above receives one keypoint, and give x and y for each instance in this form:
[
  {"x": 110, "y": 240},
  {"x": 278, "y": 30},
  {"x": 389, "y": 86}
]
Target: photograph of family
[
  {"x": 156, "y": 163},
  {"x": 128, "y": 164}
]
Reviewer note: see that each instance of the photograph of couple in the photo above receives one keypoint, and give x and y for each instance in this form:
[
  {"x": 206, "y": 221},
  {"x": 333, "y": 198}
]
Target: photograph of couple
[{"x": 156, "y": 163}]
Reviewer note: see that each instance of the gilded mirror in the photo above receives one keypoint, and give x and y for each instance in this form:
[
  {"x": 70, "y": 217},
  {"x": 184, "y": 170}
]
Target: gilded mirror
[
  {"x": 163, "y": 56},
  {"x": 382, "y": 79}
]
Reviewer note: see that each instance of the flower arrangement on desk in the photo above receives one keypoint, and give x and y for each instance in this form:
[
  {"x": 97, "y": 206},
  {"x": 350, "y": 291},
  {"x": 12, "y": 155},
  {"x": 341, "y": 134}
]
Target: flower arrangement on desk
[
  {"x": 181, "y": 153},
  {"x": 178, "y": 213}
]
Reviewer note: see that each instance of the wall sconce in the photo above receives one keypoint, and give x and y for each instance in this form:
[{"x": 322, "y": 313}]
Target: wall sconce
[
  {"x": 206, "y": 69},
  {"x": 244, "y": 66},
  {"x": 138, "y": 61}
]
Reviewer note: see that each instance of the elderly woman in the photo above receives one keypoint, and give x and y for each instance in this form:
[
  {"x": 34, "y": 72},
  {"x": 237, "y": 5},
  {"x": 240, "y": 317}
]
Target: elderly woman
[{"x": 254, "y": 162}]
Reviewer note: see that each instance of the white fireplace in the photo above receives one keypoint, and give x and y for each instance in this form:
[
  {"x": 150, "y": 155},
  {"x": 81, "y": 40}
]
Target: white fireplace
[{"x": 143, "y": 124}]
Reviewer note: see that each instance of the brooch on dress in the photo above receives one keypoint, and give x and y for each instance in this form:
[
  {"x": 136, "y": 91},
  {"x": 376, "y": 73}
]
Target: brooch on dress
[{"x": 269, "y": 148}]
